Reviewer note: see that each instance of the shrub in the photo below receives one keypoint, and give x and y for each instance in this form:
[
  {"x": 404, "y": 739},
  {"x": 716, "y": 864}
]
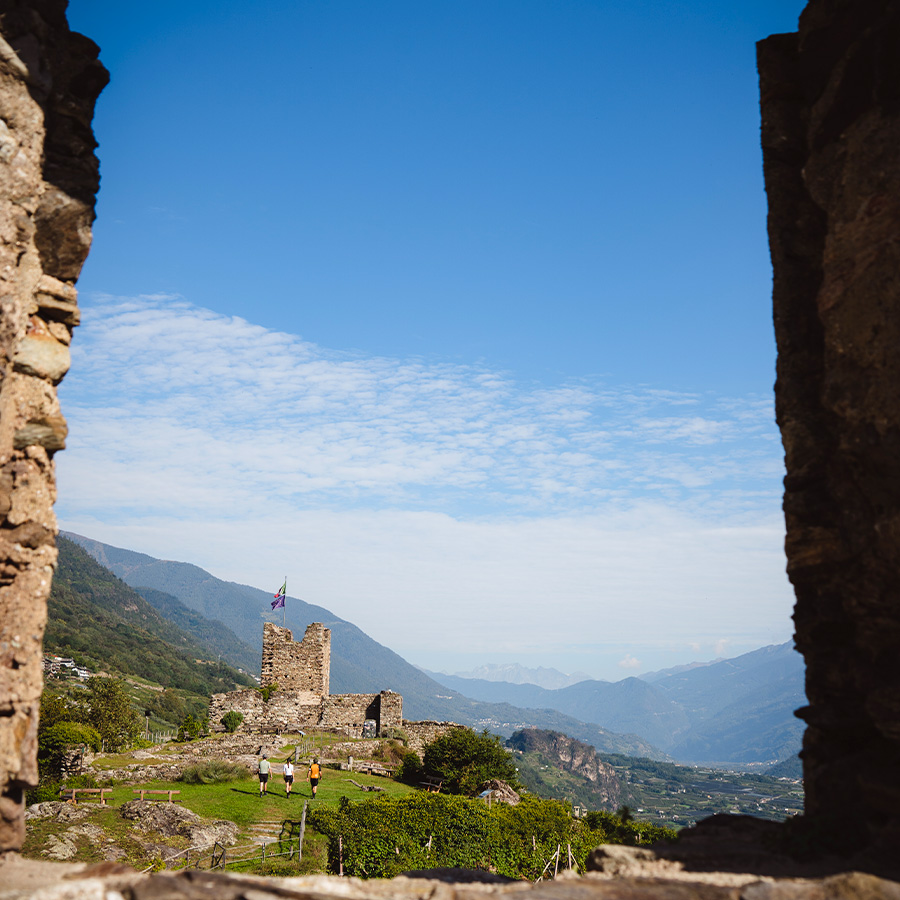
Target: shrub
[
  {"x": 267, "y": 691},
  {"x": 464, "y": 760},
  {"x": 231, "y": 720},
  {"x": 190, "y": 728},
  {"x": 63, "y": 735},
  {"x": 395, "y": 733},
  {"x": 213, "y": 771},
  {"x": 383, "y": 837},
  {"x": 621, "y": 828},
  {"x": 47, "y": 790},
  {"x": 411, "y": 770},
  {"x": 56, "y": 743}
]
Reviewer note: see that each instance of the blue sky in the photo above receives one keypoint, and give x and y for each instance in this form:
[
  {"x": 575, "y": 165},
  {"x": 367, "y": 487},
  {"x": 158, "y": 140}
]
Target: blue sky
[{"x": 458, "y": 313}]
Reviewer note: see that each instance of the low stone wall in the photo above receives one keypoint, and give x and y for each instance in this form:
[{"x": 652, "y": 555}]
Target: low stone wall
[
  {"x": 422, "y": 733},
  {"x": 299, "y": 710}
]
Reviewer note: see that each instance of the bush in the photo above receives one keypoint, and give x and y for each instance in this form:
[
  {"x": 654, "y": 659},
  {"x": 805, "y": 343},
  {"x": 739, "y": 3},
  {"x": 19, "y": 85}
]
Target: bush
[
  {"x": 267, "y": 691},
  {"x": 464, "y": 760},
  {"x": 231, "y": 720},
  {"x": 621, "y": 828},
  {"x": 214, "y": 771},
  {"x": 56, "y": 743},
  {"x": 383, "y": 837},
  {"x": 411, "y": 770},
  {"x": 63, "y": 735},
  {"x": 191, "y": 728},
  {"x": 395, "y": 733},
  {"x": 47, "y": 790}
]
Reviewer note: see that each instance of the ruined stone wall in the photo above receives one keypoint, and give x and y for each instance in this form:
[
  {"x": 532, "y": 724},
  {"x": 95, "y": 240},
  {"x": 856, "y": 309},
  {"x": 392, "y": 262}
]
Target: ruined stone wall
[
  {"x": 349, "y": 711},
  {"x": 293, "y": 666},
  {"x": 284, "y": 711},
  {"x": 830, "y": 99},
  {"x": 49, "y": 81},
  {"x": 390, "y": 710},
  {"x": 422, "y": 733},
  {"x": 292, "y": 710}
]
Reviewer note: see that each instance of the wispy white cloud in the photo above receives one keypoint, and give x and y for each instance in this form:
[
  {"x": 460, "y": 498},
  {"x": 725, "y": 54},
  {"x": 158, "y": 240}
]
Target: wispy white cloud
[
  {"x": 641, "y": 517},
  {"x": 181, "y": 394}
]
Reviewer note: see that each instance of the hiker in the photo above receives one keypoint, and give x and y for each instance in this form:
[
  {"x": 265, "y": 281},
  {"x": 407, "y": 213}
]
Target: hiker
[
  {"x": 288, "y": 776},
  {"x": 315, "y": 773},
  {"x": 264, "y": 768}
]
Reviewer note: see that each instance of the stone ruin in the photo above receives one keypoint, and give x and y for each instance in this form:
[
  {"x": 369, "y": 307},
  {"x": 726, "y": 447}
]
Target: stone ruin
[
  {"x": 830, "y": 101},
  {"x": 49, "y": 175},
  {"x": 300, "y": 671}
]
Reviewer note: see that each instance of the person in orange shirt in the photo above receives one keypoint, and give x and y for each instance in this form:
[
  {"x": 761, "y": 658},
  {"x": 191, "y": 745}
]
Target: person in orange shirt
[{"x": 315, "y": 773}]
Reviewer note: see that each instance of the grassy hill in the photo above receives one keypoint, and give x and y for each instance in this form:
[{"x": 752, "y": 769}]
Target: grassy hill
[{"x": 97, "y": 618}]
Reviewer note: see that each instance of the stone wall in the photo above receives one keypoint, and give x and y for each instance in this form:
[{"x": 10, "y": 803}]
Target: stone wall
[
  {"x": 830, "y": 99},
  {"x": 288, "y": 711},
  {"x": 422, "y": 733},
  {"x": 303, "y": 666},
  {"x": 49, "y": 81}
]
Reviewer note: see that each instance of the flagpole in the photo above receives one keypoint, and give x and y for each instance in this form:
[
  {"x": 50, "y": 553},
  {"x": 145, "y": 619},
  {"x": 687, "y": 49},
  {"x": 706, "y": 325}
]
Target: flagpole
[{"x": 283, "y": 605}]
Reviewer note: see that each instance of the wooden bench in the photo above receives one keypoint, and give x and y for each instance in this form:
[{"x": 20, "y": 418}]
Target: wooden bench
[
  {"x": 431, "y": 784},
  {"x": 71, "y": 794},
  {"x": 143, "y": 791},
  {"x": 372, "y": 768}
]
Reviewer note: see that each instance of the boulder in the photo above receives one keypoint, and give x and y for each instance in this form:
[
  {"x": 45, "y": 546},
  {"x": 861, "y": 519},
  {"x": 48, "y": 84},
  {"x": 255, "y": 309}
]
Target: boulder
[{"x": 170, "y": 820}]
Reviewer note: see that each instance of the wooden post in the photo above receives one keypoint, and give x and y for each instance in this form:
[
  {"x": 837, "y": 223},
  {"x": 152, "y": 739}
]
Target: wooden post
[
  {"x": 340, "y": 854},
  {"x": 302, "y": 831},
  {"x": 556, "y": 867}
]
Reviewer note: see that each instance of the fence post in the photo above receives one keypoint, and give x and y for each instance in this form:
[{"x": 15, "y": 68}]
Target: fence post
[
  {"x": 340, "y": 854},
  {"x": 302, "y": 831}
]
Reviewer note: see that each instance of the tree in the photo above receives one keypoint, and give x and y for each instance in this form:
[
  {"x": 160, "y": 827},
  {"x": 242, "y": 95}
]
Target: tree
[
  {"x": 108, "y": 709},
  {"x": 55, "y": 709},
  {"x": 464, "y": 760}
]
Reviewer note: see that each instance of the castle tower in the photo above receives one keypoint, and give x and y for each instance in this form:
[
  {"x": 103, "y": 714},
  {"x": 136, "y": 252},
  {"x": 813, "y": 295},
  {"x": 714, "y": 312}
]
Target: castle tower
[{"x": 303, "y": 666}]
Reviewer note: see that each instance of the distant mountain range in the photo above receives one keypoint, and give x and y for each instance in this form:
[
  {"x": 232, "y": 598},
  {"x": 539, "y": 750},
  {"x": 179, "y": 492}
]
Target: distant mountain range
[
  {"x": 730, "y": 711},
  {"x": 206, "y": 605},
  {"x": 513, "y": 673},
  {"x": 735, "y": 710}
]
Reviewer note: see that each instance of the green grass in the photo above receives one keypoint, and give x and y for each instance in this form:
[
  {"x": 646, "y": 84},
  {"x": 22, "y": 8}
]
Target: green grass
[{"x": 238, "y": 801}]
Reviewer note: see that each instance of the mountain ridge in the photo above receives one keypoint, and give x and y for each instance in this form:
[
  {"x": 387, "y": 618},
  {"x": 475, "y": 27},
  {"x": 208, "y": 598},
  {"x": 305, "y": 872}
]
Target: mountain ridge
[
  {"x": 358, "y": 663},
  {"x": 736, "y": 710}
]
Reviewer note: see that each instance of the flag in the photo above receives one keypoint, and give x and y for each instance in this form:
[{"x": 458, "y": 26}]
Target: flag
[{"x": 278, "y": 602}]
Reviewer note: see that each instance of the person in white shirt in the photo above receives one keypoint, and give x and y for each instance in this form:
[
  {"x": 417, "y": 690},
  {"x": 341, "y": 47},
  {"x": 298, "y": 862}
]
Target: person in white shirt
[{"x": 288, "y": 777}]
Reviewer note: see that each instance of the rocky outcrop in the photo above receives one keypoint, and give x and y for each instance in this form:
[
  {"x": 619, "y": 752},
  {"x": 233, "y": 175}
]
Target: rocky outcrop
[
  {"x": 830, "y": 99},
  {"x": 171, "y": 820},
  {"x": 49, "y": 80},
  {"x": 573, "y": 756},
  {"x": 501, "y": 792}
]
